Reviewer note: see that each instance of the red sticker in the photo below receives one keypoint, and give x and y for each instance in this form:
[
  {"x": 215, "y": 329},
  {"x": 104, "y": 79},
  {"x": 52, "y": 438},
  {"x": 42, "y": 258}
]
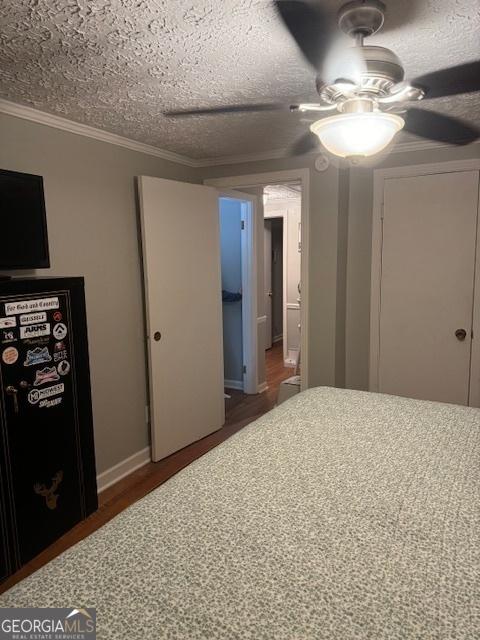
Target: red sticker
[{"x": 57, "y": 316}]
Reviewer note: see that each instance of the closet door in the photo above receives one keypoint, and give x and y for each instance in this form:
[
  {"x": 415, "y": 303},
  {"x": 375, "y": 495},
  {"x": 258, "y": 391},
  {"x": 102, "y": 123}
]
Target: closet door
[{"x": 427, "y": 286}]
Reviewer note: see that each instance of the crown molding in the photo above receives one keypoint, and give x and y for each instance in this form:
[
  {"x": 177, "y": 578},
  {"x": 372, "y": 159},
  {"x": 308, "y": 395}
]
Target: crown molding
[
  {"x": 50, "y": 120},
  {"x": 58, "y": 122},
  {"x": 420, "y": 145},
  {"x": 276, "y": 154},
  {"x": 273, "y": 154}
]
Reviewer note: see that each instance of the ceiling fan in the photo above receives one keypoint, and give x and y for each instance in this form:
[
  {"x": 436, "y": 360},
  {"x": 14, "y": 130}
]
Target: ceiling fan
[{"x": 367, "y": 99}]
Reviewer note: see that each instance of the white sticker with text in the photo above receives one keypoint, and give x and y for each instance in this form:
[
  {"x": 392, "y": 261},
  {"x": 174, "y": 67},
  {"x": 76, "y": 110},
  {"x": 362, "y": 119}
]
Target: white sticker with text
[
  {"x": 35, "y": 395},
  {"x": 27, "y": 306},
  {"x": 33, "y": 318},
  {"x": 50, "y": 403},
  {"x": 35, "y": 330}
]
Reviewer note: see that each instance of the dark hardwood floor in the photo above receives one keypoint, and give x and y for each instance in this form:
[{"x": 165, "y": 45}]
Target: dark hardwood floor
[
  {"x": 241, "y": 406},
  {"x": 241, "y": 409}
]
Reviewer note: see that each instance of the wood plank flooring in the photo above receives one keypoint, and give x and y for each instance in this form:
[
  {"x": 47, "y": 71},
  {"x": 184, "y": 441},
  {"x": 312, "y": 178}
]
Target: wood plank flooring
[{"x": 241, "y": 409}]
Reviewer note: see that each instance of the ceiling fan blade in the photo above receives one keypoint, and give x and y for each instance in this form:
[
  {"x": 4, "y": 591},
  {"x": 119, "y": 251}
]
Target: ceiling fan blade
[
  {"x": 438, "y": 127},
  {"x": 309, "y": 26},
  {"x": 236, "y": 108},
  {"x": 464, "y": 78},
  {"x": 305, "y": 144}
]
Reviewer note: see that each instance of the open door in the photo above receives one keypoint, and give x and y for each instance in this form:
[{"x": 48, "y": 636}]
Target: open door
[
  {"x": 253, "y": 357},
  {"x": 181, "y": 261}
]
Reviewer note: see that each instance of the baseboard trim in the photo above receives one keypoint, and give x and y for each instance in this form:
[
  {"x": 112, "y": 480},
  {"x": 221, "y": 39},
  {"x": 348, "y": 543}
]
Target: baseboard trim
[
  {"x": 233, "y": 384},
  {"x": 262, "y": 387},
  {"x": 277, "y": 338},
  {"x": 122, "y": 469}
]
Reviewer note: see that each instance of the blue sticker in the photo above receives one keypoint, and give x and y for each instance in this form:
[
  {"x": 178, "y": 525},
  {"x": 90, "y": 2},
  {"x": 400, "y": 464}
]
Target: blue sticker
[{"x": 37, "y": 356}]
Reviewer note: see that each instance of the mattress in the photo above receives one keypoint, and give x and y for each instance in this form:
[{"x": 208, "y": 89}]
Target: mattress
[{"x": 339, "y": 515}]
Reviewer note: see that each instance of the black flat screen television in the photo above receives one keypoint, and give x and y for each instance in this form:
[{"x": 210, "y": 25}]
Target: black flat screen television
[{"x": 23, "y": 222}]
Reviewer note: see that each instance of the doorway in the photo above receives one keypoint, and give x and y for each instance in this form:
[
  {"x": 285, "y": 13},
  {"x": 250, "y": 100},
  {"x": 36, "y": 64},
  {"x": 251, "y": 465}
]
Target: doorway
[
  {"x": 237, "y": 216},
  {"x": 298, "y": 306},
  {"x": 279, "y": 317},
  {"x": 282, "y": 272},
  {"x": 230, "y": 213}
]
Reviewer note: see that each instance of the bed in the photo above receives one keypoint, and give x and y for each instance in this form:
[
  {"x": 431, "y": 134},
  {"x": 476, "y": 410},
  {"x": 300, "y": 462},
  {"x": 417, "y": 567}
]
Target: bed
[{"x": 339, "y": 514}]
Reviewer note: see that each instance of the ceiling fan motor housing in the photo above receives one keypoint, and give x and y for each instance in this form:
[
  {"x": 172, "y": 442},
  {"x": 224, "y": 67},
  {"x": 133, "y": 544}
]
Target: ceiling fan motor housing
[
  {"x": 379, "y": 69},
  {"x": 369, "y": 70}
]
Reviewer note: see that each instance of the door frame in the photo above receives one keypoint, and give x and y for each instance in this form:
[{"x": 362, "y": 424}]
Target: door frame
[
  {"x": 379, "y": 177},
  {"x": 280, "y": 177},
  {"x": 249, "y": 286},
  {"x": 268, "y": 339}
]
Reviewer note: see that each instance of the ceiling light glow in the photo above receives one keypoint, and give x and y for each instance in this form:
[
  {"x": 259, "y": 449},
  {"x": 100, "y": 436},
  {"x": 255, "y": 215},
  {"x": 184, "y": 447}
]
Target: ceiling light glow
[{"x": 357, "y": 134}]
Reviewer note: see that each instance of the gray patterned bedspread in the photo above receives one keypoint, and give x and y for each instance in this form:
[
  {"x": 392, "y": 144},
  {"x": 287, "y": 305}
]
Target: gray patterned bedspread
[{"x": 338, "y": 515}]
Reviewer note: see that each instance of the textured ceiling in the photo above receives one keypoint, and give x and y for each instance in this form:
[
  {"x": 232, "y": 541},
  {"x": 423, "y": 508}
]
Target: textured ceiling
[
  {"x": 118, "y": 64},
  {"x": 282, "y": 192}
]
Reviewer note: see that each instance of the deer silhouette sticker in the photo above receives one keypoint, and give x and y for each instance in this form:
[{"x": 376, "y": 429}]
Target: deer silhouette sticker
[{"x": 50, "y": 496}]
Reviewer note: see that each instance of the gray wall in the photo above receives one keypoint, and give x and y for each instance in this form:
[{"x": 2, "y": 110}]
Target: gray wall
[
  {"x": 359, "y": 253},
  {"x": 231, "y": 254},
  {"x": 342, "y": 249},
  {"x": 359, "y": 242},
  {"x": 92, "y": 223}
]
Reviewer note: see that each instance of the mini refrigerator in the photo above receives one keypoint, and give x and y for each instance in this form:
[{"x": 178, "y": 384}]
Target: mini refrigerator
[{"x": 47, "y": 459}]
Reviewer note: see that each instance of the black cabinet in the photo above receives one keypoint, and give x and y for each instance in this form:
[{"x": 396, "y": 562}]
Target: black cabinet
[{"x": 47, "y": 479}]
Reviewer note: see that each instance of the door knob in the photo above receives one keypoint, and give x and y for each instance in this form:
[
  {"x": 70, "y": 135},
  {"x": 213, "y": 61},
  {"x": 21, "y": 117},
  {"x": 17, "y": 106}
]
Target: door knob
[
  {"x": 157, "y": 336},
  {"x": 460, "y": 334}
]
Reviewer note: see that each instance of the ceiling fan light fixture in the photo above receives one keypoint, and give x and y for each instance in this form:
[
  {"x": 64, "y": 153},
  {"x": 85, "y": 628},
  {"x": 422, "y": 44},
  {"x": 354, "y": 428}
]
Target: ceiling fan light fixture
[{"x": 357, "y": 134}]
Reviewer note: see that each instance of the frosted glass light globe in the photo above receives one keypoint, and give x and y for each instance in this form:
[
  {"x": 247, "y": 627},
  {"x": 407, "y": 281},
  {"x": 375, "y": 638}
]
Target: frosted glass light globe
[{"x": 357, "y": 134}]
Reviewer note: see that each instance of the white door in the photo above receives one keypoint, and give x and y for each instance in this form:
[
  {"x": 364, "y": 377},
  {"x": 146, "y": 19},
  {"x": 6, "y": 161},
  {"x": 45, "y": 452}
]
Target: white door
[
  {"x": 181, "y": 258},
  {"x": 267, "y": 255},
  {"x": 427, "y": 281}
]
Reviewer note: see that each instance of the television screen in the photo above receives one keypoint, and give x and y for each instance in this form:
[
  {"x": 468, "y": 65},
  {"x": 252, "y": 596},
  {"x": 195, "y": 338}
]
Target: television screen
[{"x": 23, "y": 224}]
